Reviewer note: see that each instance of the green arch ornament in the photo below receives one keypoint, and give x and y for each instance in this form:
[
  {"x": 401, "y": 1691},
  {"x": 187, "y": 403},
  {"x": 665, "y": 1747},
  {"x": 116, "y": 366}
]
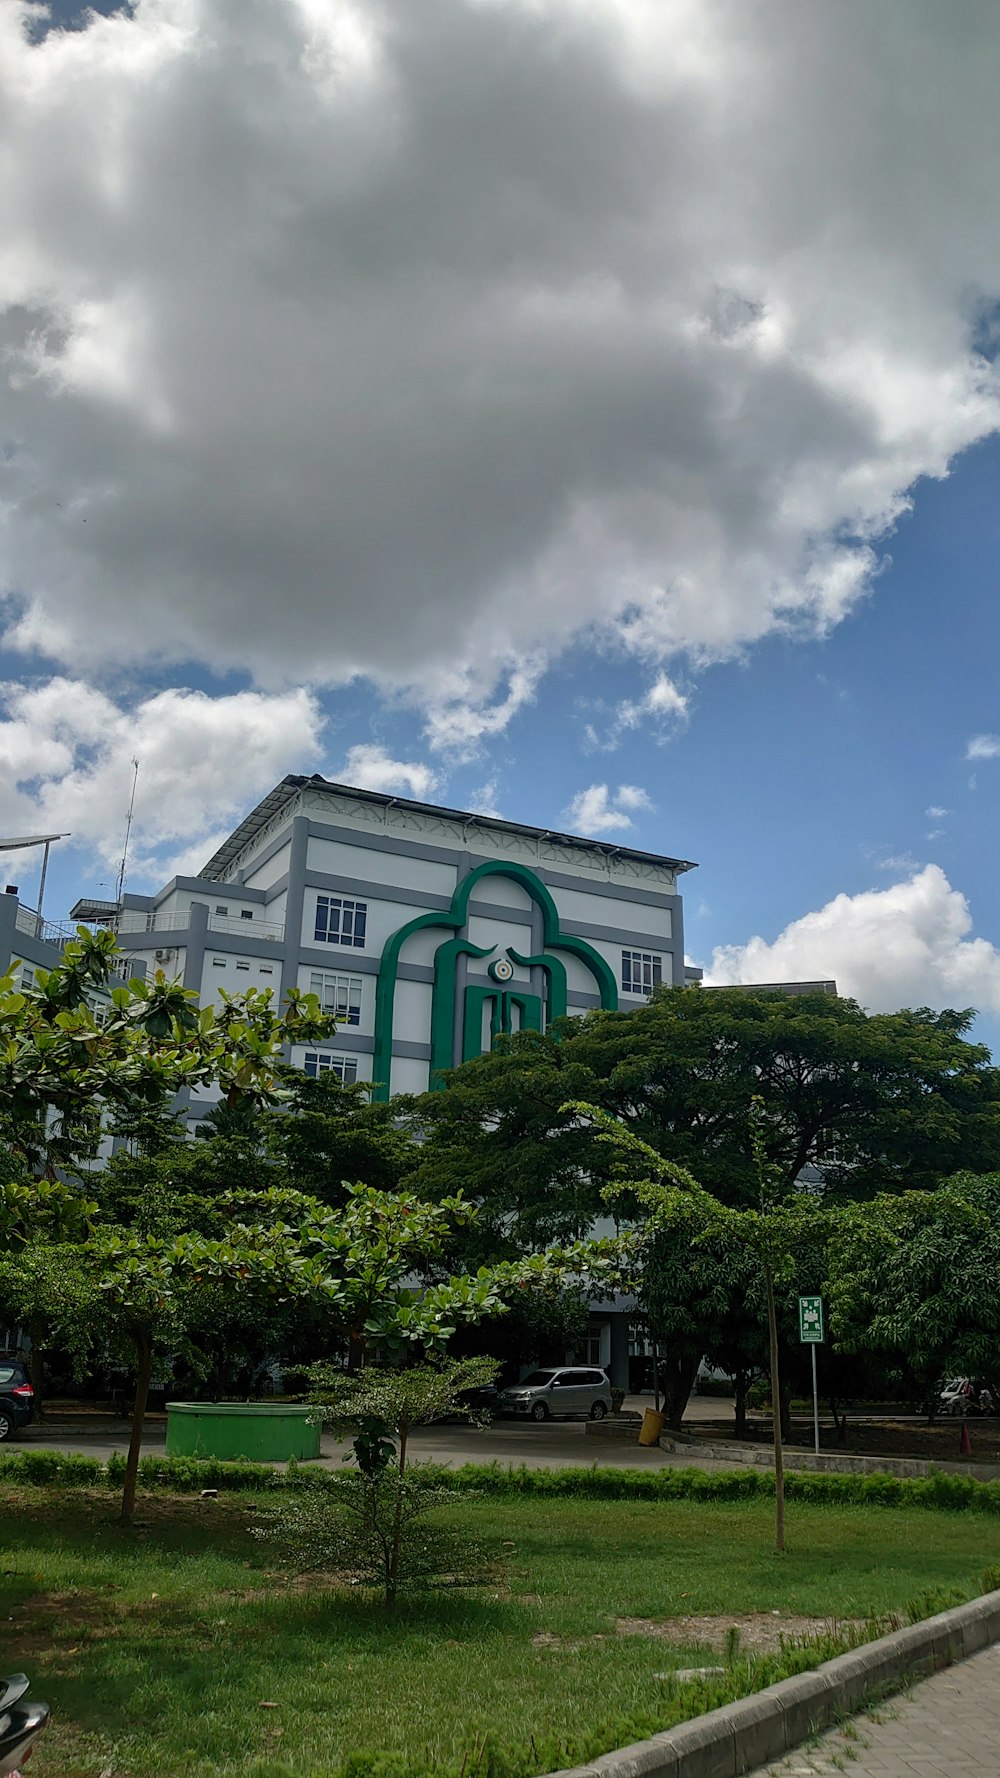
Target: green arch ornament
[{"x": 554, "y": 939}]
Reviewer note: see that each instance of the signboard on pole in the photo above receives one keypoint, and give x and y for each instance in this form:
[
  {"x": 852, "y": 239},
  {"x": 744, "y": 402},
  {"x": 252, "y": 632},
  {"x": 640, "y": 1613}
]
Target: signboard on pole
[{"x": 811, "y": 1320}]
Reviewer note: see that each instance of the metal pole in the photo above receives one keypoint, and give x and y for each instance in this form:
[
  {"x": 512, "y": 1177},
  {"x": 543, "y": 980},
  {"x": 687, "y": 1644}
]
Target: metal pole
[
  {"x": 815, "y": 1405},
  {"x": 39, "y": 923}
]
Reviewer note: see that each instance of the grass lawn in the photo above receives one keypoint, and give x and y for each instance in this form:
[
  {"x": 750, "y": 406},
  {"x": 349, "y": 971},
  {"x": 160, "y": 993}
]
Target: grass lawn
[{"x": 157, "y": 1648}]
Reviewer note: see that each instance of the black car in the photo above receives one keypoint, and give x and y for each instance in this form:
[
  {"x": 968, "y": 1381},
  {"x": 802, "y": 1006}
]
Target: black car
[{"x": 17, "y": 1397}]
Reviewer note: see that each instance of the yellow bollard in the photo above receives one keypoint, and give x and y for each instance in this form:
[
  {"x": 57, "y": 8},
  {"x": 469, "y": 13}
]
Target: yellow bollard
[{"x": 652, "y": 1425}]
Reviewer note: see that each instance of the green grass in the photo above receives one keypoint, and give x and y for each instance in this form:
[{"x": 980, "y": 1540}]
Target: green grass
[{"x": 157, "y": 1647}]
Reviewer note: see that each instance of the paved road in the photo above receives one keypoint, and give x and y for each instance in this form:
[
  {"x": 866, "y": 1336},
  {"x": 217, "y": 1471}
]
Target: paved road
[
  {"x": 555, "y": 1444},
  {"x": 559, "y": 1444},
  {"x": 946, "y": 1727}
]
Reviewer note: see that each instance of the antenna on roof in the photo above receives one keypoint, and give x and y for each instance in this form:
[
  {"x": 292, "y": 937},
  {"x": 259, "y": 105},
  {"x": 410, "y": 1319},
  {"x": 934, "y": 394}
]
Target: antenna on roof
[{"x": 119, "y": 886}]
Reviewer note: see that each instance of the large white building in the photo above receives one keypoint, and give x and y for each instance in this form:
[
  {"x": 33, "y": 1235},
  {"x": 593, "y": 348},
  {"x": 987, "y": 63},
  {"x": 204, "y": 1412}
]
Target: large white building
[{"x": 425, "y": 930}]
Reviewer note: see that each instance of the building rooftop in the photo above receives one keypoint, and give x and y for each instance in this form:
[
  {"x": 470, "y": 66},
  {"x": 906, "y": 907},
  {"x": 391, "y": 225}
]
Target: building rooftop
[{"x": 289, "y": 787}]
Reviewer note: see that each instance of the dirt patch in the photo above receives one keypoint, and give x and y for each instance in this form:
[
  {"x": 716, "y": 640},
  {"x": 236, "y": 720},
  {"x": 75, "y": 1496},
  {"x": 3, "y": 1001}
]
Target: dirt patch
[{"x": 760, "y": 1632}]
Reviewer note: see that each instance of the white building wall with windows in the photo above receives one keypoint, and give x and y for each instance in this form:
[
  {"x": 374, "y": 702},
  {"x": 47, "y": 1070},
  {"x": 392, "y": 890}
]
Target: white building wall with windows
[
  {"x": 426, "y": 931},
  {"x": 475, "y": 925}
]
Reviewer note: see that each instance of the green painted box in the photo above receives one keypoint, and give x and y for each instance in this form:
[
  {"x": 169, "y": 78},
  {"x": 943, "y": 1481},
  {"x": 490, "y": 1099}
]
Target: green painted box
[{"x": 260, "y": 1432}]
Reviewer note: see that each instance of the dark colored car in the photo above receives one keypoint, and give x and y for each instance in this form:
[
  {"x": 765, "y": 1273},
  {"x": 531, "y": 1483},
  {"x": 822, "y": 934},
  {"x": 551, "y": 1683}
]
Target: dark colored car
[
  {"x": 17, "y": 1397},
  {"x": 481, "y": 1402}
]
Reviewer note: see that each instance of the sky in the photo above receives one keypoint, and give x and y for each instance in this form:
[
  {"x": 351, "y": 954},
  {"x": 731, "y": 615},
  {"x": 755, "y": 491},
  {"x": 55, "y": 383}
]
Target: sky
[{"x": 584, "y": 411}]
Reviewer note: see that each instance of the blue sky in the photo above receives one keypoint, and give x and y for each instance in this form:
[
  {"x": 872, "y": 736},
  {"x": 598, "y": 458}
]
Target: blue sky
[{"x": 651, "y": 531}]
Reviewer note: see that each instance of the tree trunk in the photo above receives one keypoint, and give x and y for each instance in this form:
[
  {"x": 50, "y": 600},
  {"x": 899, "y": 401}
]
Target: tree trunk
[
  {"x": 779, "y": 1464},
  {"x": 36, "y": 1367},
  {"x": 740, "y": 1380},
  {"x": 144, "y": 1370},
  {"x": 677, "y": 1377},
  {"x": 786, "y": 1411}
]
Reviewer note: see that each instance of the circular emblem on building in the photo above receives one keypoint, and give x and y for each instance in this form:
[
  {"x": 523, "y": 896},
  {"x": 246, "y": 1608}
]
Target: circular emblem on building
[{"x": 502, "y": 970}]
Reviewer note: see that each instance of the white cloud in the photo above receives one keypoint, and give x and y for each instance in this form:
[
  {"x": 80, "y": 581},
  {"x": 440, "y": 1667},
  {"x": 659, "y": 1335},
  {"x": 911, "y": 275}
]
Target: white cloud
[
  {"x": 484, "y": 801},
  {"x": 983, "y": 747},
  {"x": 934, "y": 813},
  {"x": 65, "y": 763},
  {"x": 595, "y": 810},
  {"x": 460, "y": 713},
  {"x": 900, "y": 861},
  {"x": 908, "y": 945},
  {"x": 370, "y": 767},
  {"x": 662, "y": 702},
  {"x": 333, "y": 344}
]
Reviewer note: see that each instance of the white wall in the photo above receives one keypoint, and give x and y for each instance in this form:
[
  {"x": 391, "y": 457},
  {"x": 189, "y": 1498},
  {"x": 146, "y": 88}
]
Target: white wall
[
  {"x": 365, "y": 864},
  {"x": 225, "y": 969},
  {"x": 608, "y": 910},
  {"x": 504, "y": 891},
  {"x": 412, "y": 1023},
  {"x": 262, "y": 876},
  {"x": 384, "y": 918},
  {"x": 409, "y": 1076},
  {"x": 501, "y": 933}
]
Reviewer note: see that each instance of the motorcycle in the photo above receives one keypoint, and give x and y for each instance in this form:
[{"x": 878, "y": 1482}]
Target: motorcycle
[{"x": 20, "y": 1724}]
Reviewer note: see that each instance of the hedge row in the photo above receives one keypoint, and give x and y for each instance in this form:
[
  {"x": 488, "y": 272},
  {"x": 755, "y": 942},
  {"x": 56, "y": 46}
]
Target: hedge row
[{"x": 185, "y": 1475}]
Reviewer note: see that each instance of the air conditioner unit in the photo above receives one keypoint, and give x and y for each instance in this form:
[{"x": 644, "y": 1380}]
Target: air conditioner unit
[{"x": 163, "y": 956}]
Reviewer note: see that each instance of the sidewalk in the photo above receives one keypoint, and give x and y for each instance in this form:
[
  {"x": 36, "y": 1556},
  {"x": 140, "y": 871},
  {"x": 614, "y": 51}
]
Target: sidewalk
[{"x": 946, "y": 1727}]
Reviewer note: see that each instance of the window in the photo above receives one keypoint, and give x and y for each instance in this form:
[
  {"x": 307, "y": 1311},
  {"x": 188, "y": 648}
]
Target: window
[
  {"x": 246, "y": 913},
  {"x": 218, "y": 962},
  {"x": 243, "y": 966},
  {"x": 266, "y": 969},
  {"x": 340, "y": 922},
  {"x": 338, "y": 994},
  {"x": 641, "y": 972},
  {"x": 320, "y": 1062},
  {"x": 222, "y": 910},
  {"x": 26, "y": 977}
]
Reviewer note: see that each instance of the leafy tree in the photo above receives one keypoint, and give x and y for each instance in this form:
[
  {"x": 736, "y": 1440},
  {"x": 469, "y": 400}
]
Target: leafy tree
[
  {"x": 325, "y": 1133},
  {"x": 697, "y": 1288},
  {"x": 769, "y": 1233},
  {"x": 63, "y": 1068},
  {"x": 372, "y": 1521},
  {"x": 913, "y": 1279},
  {"x": 883, "y": 1102},
  {"x": 383, "y": 1406}
]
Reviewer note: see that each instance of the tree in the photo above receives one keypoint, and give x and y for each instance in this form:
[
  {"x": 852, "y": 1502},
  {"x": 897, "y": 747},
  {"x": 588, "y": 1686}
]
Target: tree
[
  {"x": 883, "y": 1102},
  {"x": 370, "y": 1520},
  {"x": 769, "y": 1233},
  {"x": 324, "y": 1133},
  {"x": 697, "y": 1287},
  {"x": 913, "y": 1279},
  {"x": 63, "y": 1068}
]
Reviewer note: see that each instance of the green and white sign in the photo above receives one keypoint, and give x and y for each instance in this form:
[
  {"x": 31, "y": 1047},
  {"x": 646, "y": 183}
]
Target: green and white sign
[{"x": 811, "y": 1320}]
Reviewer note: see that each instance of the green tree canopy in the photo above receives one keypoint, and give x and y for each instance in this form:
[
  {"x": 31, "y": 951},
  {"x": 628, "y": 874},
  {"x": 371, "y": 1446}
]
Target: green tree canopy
[
  {"x": 915, "y": 1276},
  {"x": 876, "y": 1102}
]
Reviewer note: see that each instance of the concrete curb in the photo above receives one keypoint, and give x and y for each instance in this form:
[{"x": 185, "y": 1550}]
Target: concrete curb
[
  {"x": 755, "y": 1456},
  {"x": 753, "y": 1731}
]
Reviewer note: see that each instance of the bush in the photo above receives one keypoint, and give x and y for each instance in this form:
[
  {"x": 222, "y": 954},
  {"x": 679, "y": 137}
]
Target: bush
[
  {"x": 52, "y": 1469},
  {"x": 189, "y": 1475},
  {"x": 370, "y": 1528}
]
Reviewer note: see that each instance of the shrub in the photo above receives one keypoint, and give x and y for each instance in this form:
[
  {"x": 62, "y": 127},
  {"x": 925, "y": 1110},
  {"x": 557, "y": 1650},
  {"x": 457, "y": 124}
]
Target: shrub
[
  {"x": 52, "y": 1469},
  {"x": 370, "y": 1527}
]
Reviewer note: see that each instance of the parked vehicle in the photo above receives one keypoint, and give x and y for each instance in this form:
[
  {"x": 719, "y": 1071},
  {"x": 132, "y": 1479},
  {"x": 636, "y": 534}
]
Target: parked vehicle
[
  {"x": 962, "y": 1395},
  {"x": 20, "y": 1723},
  {"x": 17, "y": 1397},
  {"x": 559, "y": 1393}
]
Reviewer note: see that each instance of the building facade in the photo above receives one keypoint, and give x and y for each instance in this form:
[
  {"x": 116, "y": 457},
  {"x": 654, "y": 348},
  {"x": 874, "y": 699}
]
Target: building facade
[{"x": 425, "y": 930}]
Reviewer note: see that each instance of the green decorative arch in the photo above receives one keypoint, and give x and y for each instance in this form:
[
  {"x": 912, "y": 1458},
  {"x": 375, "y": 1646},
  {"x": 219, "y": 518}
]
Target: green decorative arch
[{"x": 553, "y": 938}]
